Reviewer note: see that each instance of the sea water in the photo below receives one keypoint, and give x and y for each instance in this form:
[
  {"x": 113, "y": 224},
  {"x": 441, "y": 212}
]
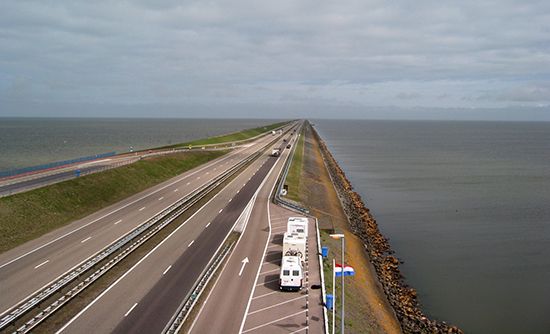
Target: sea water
[
  {"x": 32, "y": 141},
  {"x": 466, "y": 206}
]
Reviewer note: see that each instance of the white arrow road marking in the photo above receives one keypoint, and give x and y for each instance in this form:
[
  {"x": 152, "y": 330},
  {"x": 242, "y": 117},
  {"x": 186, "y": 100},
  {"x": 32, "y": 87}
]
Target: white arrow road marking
[{"x": 244, "y": 261}]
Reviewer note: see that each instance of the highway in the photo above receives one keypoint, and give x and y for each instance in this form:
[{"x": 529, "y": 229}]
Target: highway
[
  {"x": 30, "y": 267},
  {"x": 146, "y": 297},
  {"x": 250, "y": 301},
  {"x": 10, "y": 186}
]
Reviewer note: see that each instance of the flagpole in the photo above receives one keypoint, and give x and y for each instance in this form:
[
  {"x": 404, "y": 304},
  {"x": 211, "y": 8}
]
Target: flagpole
[
  {"x": 343, "y": 265},
  {"x": 333, "y": 295}
]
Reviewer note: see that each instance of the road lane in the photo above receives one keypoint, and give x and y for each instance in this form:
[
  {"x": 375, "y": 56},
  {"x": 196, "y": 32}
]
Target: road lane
[
  {"x": 64, "y": 249},
  {"x": 231, "y": 291},
  {"x": 186, "y": 262}
]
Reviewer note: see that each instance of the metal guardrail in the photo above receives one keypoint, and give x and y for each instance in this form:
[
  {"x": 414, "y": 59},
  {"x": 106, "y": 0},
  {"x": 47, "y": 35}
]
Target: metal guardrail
[
  {"x": 277, "y": 198},
  {"x": 13, "y": 172},
  {"x": 175, "y": 324},
  {"x": 49, "y": 291}
]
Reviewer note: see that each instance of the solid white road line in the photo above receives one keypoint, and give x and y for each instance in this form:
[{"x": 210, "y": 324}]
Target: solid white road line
[
  {"x": 130, "y": 310},
  {"x": 270, "y": 281},
  {"x": 270, "y": 271},
  {"x": 299, "y": 330},
  {"x": 274, "y": 305},
  {"x": 41, "y": 264},
  {"x": 267, "y": 241},
  {"x": 191, "y": 243},
  {"x": 83, "y": 241},
  {"x": 142, "y": 209},
  {"x": 274, "y": 321},
  {"x": 265, "y": 295},
  {"x": 166, "y": 270},
  {"x": 118, "y": 221}
]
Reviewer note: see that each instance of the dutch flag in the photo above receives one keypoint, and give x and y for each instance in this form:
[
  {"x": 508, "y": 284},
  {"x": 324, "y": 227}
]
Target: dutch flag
[{"x": 348, "y": 270}]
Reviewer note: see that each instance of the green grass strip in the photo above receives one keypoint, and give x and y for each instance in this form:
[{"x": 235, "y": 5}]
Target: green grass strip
[
  {"x": 295, "y": 171},
  {"x": 28, "y": 215},
  {"x": 241, "y": 135}
]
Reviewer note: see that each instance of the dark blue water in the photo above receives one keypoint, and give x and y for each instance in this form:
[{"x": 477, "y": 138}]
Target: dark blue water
[
  {"x": 466, "y": 205},
  {"x": 33, "y": 141}
]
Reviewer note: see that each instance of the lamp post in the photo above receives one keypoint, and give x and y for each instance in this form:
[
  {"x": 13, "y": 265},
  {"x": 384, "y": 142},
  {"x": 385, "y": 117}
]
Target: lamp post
[{"x": 341, "y": 236}]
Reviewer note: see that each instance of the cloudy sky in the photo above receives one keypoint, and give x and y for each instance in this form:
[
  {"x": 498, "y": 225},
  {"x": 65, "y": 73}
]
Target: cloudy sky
[{"x": 365, "y": 58}]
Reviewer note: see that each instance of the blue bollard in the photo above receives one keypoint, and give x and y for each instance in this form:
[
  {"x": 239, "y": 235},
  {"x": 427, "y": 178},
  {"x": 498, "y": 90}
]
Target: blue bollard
[
  {"x": 324, "y": 251},
  {"x": 330, "y": 302}
]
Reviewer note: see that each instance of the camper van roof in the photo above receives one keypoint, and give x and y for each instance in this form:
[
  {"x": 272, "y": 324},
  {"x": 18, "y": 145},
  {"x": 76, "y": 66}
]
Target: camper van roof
[{"x": 298, "y": 219}]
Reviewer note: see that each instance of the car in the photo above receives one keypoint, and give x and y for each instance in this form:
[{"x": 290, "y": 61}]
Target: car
[{"x": 288, "y": 146}]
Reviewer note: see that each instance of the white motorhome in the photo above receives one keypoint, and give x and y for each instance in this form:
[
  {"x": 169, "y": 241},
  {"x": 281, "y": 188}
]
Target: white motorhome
[
  {"x": 294, "y": 244},
  {"x": 297, "y": 225},
  {"x": 291, "y": 276}
]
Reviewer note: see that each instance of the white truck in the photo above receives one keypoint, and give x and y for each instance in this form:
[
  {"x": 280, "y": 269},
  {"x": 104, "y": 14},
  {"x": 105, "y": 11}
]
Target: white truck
[
  {"x": 297, "y": 225},
  {"x": 291, "y": 276},
  {"x": 276, "y": 152},
  {"x": 294, "y": 244}
]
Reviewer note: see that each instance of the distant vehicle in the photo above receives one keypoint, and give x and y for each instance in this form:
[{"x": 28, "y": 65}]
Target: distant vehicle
[
  {"x": 288, "y": 146},
  {"x": 284, "y": 140},
  {"x": 276, "y": 152},
  {"x": 297, "y": 225},
  {"x": 273, "y": 132},
  {"x": 294, "y": 244},
  {"x": 291, "y": 276}
]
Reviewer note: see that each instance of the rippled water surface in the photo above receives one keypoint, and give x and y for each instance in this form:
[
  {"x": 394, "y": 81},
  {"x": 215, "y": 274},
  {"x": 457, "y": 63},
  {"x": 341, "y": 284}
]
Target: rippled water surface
[
  {"x": 27, "y": 142},
  {"x": 466, "y": 205}
]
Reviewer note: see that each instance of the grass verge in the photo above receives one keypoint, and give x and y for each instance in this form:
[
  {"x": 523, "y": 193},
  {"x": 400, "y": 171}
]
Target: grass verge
[
  {"x": 295, "y": 171},
  {"x": 28, "y": 215},
  {"x": 241, "y": 135}
]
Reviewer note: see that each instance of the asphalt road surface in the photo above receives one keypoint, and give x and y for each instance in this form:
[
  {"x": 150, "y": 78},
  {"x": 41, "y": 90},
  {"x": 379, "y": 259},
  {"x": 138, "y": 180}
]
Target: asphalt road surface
[
  {"x": 145, "y": 298},
  {"x": 251, "y": 302},
  {"x": 36, "y": 264}
]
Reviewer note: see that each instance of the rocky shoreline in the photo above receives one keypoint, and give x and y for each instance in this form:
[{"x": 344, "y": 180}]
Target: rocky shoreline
[{"x": 402, "y": 297}]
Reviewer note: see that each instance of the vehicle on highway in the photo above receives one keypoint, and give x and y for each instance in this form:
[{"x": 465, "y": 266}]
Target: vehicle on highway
[
  {"x": 294, "y": 244},
  {"x": 288, "y": 146},
  {"x": 276, "y": 152},
  {"x": 297, "y": 225},
  {"x": 291, "y": 276}
]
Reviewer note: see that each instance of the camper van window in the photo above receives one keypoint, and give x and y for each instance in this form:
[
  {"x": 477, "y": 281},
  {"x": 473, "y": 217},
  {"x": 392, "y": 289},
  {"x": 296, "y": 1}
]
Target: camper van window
[
  {"x": 286, "y": 272},
  {"x": 296, "y": 273}
]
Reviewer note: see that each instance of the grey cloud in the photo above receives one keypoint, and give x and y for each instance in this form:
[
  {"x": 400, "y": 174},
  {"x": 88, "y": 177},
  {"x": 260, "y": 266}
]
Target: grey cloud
[{"x": 369, "y": 53}]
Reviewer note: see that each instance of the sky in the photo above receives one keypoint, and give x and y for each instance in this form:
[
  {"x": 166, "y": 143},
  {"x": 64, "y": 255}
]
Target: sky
[{"x": 277, "y": 59}]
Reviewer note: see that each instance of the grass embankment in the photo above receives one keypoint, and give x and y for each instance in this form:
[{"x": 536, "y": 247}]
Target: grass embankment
[
  {"x": 295, "y": 172},
  {"x": 230, "y": 137},
  {"x": 28, "y": 215},
  {"x": 367, "y": 309}
]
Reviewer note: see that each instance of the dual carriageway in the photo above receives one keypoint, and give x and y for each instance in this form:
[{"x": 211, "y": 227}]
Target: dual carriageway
[{"x": 145, "y": 298}]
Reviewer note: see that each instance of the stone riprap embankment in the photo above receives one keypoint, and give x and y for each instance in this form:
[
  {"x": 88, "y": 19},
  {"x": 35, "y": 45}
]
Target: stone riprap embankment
[{"x": 402, "y": 297}]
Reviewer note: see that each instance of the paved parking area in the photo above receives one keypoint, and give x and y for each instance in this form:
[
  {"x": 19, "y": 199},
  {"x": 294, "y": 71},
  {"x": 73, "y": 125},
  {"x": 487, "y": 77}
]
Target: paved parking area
[{"x": 275, "y": 311}]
